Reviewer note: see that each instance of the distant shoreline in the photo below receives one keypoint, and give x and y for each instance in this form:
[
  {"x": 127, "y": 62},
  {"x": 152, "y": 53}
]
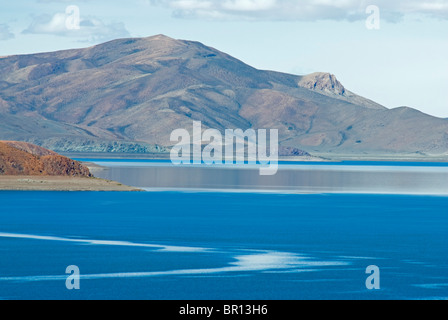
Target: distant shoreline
[
  {"x": 57, "y": 183},
  {"x": 165, "y": 156},
  {"x": 316, "y": 157}
]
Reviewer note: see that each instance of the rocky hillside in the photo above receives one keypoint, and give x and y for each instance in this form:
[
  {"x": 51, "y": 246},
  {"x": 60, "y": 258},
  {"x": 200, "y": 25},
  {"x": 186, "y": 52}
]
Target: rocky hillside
[
  {"x": 18, "y": 158},
  {"x": 128, "y": 95}
]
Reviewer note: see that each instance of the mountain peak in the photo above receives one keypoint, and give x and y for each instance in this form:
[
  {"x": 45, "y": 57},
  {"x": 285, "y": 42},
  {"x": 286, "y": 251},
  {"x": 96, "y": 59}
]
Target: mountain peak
[
  {"x": 322, "y": 81},
  {"x": 160, "y": 37}
]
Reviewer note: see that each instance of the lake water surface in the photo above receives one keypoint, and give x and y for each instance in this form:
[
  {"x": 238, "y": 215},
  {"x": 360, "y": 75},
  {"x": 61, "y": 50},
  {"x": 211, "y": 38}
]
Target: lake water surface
[
  {"x": 325, "y": 177},
  {"x": 185, "y": 244}
]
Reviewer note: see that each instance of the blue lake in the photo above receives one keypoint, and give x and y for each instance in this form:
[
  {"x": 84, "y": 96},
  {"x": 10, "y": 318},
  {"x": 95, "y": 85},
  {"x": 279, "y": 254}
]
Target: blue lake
[{"x": 223, "y": 245}]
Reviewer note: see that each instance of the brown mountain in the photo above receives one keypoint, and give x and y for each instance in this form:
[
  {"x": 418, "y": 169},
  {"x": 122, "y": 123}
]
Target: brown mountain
[
  {"x": 128, "y": 95},
  {"x": 19, "y": 158}
]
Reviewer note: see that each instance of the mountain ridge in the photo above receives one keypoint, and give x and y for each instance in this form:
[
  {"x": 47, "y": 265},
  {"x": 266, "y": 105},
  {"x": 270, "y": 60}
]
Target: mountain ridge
[{"x": 127, "y": 95}]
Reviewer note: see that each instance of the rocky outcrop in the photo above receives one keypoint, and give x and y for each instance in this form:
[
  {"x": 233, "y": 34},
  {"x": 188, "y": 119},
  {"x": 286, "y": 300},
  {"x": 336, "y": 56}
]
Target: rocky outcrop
[
  {"x": 19, "y": 158},
  {"x": 292, "y": 152},
  {"x": 322, "y": 81}
]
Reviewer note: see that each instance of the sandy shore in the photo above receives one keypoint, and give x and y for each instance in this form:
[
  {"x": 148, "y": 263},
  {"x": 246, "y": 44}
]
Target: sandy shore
[{"x": 46, "y": 183}]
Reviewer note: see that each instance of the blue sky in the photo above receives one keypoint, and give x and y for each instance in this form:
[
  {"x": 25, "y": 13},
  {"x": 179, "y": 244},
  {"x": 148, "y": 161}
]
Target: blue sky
[{"x": 403, "y": 63}]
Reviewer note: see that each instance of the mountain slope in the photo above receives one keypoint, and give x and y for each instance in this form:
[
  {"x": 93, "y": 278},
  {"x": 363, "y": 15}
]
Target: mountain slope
[{"x": 128, "y": 95}]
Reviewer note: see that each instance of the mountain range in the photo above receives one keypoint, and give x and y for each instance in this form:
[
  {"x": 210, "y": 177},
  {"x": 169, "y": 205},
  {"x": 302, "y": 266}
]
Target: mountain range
[{"x": 128, "y": 95}]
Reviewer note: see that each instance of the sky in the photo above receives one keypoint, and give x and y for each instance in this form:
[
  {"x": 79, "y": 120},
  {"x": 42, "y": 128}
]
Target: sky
[{"x": 392, "y": 52}]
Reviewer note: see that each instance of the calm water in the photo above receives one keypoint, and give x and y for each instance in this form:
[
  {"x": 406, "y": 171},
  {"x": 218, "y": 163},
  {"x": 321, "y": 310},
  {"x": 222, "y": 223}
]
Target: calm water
[
  {"x": 187, "y": 245},
  {"x": 348, "y": 177}
]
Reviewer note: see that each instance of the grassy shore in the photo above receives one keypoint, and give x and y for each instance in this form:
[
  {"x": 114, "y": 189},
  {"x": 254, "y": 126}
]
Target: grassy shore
[{"x": 50, "y": 183}]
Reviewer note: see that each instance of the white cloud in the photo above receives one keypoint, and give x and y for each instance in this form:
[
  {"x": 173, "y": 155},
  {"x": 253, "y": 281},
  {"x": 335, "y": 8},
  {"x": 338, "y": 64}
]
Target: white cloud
[
  {"x": 248, "y": 5},
  {"x": 5, "y": 34},
  {"x": 89, "y": 29},
  {"x": 302, "y": 10}
]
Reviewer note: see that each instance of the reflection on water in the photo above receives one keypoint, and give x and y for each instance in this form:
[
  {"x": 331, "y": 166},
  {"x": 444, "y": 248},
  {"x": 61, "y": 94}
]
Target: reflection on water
[{"x": 290, "y": 178}]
